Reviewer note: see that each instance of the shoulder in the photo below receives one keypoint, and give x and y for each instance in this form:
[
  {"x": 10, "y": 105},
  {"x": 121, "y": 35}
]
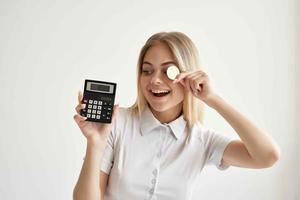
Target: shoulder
[
  {"x": 198, "y": 129},
  {"x": 125, "y": 116},
  {"x": 202, "y": 132}
]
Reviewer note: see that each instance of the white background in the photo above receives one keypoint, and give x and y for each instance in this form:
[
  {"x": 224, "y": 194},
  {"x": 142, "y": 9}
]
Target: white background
[{"x": 250, "y": 49}]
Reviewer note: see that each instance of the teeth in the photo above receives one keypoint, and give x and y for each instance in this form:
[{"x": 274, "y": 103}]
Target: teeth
[{"x": 159, "y": 91}]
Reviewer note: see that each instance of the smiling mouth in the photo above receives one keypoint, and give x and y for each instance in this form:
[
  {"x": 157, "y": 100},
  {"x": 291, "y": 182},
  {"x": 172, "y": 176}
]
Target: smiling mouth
[{"x": 159, "y": 93}]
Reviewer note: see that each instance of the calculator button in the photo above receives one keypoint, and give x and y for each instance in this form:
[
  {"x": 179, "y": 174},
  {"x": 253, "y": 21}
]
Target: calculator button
[
  {"x": 99, "y": 107},
  {"x": 95, "y": 102},
  {"x": 89, "y": 111},
  {"x": 110, "y": 104},
  {"x": 104, "y": 103},
  {"x": 109, "y": 108},
  {"x": 108, "y": 113},
  {"x": 88, "y": 115},
  {"x": 90, "y": 106},
  {"x": 94, "y": 107},
  {"x": 94, "y": 111},
  {"x": 98, "y": 112},
  {"x": 90, "y": 101},
  {"x": 98, "y": 116},
  {"x": 93, "y": 116},
  {"x": 100, "y": 103}
]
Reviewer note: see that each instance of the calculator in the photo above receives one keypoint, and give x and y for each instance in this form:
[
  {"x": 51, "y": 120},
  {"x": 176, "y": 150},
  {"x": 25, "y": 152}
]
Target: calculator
[{"x": 99, "y": 97}]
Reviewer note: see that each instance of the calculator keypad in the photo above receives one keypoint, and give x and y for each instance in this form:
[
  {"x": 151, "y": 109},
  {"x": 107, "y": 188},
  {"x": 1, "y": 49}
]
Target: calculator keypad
[{"x": 96, "y": 109}]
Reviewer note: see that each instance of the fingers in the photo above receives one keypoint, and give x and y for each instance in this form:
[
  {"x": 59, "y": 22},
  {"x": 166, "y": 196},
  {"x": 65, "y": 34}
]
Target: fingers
[
  {"x": 195, "y": 81},
  {"x": 181, "y": 76},
  {"x": 79, "y": 119},
  {"x": 80, "y": 96},
  {"x": 192, "y": 81},
  {"x": 79, "y": 107},
  {"x": 80, "y": 104},
  {"x": 187, "y": 84}
]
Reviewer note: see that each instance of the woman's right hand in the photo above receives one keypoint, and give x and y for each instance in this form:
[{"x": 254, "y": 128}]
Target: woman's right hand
[{"x": 93, "y": 131}]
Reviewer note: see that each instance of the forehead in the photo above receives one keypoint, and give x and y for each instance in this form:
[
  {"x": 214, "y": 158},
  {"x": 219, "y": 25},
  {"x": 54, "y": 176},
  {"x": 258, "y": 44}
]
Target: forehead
[{"x": 159, "y": 52}]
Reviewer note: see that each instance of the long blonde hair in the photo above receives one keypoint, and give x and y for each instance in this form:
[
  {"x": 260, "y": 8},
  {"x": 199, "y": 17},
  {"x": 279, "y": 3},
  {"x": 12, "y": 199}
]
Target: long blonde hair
[{"x": 186, "y": 56}]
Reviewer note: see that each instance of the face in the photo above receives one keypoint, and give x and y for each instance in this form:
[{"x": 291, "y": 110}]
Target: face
[{"x": 159, "y": 91}]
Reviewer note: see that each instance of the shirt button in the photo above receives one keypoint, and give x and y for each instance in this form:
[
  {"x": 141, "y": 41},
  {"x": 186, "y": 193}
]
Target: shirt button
[
  {"x": 159, "y": 154},
  {"x": 155, "y": 172},
  {"x": 151, "y": 191},
  {"x": 153, "y": 181}
]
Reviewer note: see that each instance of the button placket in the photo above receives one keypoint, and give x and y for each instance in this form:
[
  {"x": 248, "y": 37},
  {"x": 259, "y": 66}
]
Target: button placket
[
  {"x": 163, "y": 134},
  {"x": 153, "y": 181},
  {"x": 152, "y": 189},
  {"x": 155, "y": 172}
]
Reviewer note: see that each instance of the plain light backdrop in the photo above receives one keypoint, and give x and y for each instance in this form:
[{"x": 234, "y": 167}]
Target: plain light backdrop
[{"x": 250, "y": 49}]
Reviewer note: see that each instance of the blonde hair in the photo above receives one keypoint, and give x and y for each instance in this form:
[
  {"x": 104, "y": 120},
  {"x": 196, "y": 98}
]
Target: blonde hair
[{"x": 186, "y": 56}]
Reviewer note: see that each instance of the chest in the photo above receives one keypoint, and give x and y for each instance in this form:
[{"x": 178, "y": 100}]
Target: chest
[{"x": 156, "y": 164}]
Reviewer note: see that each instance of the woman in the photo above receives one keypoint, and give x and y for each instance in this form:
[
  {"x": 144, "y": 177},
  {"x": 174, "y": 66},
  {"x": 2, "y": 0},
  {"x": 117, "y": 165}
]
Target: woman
[{"x": 157, "y": 148}]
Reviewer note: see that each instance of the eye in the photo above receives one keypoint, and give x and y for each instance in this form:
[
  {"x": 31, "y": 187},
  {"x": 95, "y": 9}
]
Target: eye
[{"x": 147, "y": 71}]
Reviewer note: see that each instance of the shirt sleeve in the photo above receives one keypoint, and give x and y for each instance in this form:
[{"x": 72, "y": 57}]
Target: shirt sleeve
[
  {"x": 215, "y": 147},
  {"x": 108, "y": 155}
]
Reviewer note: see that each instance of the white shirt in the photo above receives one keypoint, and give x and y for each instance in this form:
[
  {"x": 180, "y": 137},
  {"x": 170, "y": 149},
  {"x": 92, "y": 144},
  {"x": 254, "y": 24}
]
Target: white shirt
[{"x": 147, "y": 160}]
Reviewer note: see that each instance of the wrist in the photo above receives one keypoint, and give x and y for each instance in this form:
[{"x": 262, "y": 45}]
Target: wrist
[
  {"x": 212, "y": 100},
  {"x": 94, "y": 150},
  {"x": 96, "y": 143}
]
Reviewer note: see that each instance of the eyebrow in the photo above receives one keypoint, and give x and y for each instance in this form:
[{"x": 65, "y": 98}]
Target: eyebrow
[{"x": 163, "y": 64}]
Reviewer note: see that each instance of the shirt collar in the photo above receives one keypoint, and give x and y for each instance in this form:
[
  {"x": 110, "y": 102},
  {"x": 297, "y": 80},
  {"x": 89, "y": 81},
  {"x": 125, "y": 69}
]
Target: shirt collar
[{"x": 149, "y": 123}]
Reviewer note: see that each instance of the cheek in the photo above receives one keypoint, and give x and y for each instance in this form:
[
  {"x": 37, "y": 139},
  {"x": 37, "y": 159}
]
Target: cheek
[
  {"x": 143, "y": 84},
  {"x": 178, "y": 91}
]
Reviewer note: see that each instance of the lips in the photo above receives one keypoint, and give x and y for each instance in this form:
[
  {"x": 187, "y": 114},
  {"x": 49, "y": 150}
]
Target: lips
[{"x": 160, "y": 93}]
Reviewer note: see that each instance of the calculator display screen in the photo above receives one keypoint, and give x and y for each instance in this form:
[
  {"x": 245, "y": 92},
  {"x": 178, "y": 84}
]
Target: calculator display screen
[{"x": 100, "y": 87}]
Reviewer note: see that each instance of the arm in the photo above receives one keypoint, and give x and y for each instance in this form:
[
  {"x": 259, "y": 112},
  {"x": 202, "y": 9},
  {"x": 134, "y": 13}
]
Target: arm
[
  {"x": 256, "y": 148},
  {"x": 91, "y": 184}
]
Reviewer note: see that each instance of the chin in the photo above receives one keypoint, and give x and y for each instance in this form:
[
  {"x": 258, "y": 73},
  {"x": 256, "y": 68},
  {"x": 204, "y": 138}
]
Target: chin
[
  {"x": 163, "y": 104},
  {"x": 159, "y": 108},
  {"x": 162, "y": 107}
]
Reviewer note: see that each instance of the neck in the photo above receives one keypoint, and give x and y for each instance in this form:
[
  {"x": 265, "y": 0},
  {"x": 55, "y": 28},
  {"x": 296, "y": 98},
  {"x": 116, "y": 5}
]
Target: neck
[{"x": 168, "y": 115}]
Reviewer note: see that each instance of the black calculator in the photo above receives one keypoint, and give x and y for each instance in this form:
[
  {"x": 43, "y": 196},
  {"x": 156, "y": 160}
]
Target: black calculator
[{"x": 99, "y": 97}]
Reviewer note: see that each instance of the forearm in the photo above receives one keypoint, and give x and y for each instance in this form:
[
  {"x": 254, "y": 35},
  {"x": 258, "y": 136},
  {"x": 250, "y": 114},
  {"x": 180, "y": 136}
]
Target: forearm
[
  {"x": 88, "y": 185},
  {"x": 259, "y": 144}
]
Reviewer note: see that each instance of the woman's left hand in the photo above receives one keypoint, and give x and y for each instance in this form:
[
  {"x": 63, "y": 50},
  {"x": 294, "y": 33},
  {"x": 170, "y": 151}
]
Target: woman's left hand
[{"x": 197, "y": 83}]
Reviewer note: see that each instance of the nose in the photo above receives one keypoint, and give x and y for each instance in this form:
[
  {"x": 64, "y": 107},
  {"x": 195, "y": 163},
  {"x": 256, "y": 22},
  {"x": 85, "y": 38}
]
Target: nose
[{"x": 156, "y": 78}]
